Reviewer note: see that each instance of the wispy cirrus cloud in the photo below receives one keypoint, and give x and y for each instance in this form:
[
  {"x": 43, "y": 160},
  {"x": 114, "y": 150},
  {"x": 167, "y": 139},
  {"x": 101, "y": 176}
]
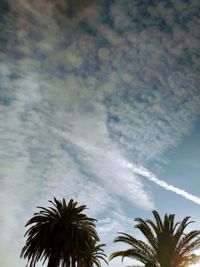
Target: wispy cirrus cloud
[{"x": 83, "y": 93}]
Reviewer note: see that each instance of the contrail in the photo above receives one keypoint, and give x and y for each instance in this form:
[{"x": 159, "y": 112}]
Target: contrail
[{"x": 144, "y": 172}]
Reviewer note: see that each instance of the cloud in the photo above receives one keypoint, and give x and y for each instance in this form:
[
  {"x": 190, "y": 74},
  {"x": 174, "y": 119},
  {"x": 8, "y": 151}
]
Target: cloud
[
  {"x": 151, "y": 177},
  {"x": 84, "y": 93},
  {"x": 101, "y": 158},
  {"x": 55, "y": 143}
]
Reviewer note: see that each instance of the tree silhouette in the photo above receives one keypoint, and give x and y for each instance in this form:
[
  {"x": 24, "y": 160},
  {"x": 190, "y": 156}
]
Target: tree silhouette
[
  {"x": 59, "y": 234},
  {"x": 93, "y": 256},
  {"x": 167, "y": 243}
]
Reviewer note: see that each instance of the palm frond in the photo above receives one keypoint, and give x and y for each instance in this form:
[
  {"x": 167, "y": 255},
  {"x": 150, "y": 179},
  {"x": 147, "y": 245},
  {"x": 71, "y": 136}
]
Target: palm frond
[
  {"x": 168, "y": 244},
  {"x": 59, "y": 232}
]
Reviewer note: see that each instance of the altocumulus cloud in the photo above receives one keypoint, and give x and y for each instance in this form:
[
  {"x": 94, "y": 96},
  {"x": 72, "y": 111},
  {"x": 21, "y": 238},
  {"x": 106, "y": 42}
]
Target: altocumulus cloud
[{"x": 85, "y": 88}]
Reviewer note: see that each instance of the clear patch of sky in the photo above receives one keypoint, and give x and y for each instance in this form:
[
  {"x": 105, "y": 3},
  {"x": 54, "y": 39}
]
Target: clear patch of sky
[{"x": 181, "y": 169}]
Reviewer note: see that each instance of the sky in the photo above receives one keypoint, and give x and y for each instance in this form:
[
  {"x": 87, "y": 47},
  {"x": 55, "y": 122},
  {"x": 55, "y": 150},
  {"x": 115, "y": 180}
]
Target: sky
[{"x": 99, "y": 102}]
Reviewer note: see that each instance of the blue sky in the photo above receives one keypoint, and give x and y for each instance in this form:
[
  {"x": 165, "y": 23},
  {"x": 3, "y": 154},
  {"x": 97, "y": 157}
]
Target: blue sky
[{"x": 98, "y": 102}]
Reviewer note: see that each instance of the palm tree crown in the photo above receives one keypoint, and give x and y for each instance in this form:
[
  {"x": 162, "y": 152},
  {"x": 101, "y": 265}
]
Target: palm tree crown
[
  {"x": 167, "y": 243},
  {"x": 93, "y": 256},
  {"x": 59, "y": 233}
]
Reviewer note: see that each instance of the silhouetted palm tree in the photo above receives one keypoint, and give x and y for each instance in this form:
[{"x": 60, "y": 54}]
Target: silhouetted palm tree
[
  {"x": 59, "y": 233},
  {"x": 93, "y": 256},
  {"x": 167, "y": 243}
]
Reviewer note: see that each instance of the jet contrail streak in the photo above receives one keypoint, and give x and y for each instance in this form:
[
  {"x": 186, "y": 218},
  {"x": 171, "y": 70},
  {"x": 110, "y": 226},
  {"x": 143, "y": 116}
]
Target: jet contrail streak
[{"x": 144, "y": 172}]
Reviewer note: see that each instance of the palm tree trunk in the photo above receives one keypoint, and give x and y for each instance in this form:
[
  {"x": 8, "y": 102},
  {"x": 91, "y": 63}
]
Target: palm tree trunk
[
  {"x": 73, "y": 261},
  {"x": 53, "y": 261}
]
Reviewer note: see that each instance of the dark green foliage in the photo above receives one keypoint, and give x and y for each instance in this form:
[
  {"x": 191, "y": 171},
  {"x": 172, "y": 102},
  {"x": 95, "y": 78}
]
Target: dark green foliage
[
  {"x": 61, "y": 234},
  {"x": 167, "y": 243}
]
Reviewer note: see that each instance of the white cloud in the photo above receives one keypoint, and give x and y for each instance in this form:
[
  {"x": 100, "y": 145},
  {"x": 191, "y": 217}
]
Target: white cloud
[
  {"x": 102, "y": 158},
  {"x": 52, "y": 147},
  {"x": 144, "y": 172},
  {"x": 70, "y": 136}
]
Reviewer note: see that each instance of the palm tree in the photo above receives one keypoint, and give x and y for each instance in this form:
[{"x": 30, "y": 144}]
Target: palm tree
[
  {"x": 93, "y": 256},
  {"x": 167, "y": 243},
  {"x": 58, "y": 233}
]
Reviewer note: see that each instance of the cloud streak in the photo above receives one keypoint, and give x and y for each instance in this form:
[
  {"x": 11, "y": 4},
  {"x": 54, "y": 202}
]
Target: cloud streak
[
  {"x": 79, "y": 95},
  {"x": 151, "y": 177}
]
